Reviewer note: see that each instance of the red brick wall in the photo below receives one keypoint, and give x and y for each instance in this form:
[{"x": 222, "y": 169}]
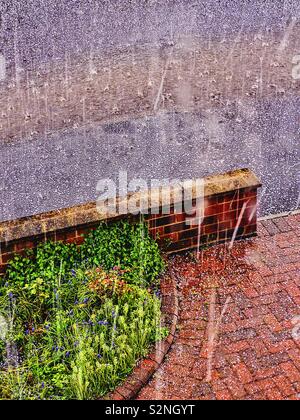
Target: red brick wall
[
  {"x": 222, "y": 214},
  {"x": 71, "y": 235},
  {"x": 226, "y": 215}
]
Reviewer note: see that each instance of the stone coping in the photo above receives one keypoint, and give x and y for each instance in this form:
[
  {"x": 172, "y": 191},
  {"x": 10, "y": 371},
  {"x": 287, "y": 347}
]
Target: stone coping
[
  {"x": 279, "y": 215},
  {"x": 89, "y": 213},
  {"x": 146, "y": 368}
]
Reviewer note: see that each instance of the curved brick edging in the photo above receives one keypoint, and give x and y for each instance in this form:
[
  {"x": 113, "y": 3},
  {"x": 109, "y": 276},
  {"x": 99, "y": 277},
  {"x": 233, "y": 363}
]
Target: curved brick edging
[{"x": 147, "y": 367}]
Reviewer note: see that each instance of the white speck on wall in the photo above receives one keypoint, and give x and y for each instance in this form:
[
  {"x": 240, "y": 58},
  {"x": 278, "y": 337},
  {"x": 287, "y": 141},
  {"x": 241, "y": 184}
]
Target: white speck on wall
[
  {"x": 2, "y": 67},
  {"x": 296, "y": 68}
]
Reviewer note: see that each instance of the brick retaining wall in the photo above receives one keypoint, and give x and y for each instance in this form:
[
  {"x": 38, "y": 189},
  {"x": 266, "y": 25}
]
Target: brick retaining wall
[{"x": 229, "y": 207}]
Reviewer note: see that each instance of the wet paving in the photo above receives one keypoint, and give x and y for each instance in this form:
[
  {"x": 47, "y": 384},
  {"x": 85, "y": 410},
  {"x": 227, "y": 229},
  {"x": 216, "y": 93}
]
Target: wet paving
[{"x": 238, "y": 335}]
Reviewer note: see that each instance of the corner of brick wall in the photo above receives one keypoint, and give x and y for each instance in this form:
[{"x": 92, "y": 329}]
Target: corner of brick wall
[{"x": 226, "y": 215}]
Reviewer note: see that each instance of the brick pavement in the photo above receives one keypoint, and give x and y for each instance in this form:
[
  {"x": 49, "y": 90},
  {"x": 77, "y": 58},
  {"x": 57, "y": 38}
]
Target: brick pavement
[{"x": 237, "y": 336}]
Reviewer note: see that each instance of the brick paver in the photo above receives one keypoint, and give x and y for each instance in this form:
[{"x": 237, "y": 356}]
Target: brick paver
[{"x": 240, "y": 308}]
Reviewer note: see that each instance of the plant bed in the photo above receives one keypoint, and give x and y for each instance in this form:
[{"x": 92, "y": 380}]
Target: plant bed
[{"x": 77, "y": 319}]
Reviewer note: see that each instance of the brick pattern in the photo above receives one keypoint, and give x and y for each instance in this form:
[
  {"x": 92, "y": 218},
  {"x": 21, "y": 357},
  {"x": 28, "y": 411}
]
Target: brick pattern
[
  {"x": 255, "y": 354},
  {"x": 225, "y": 215}
]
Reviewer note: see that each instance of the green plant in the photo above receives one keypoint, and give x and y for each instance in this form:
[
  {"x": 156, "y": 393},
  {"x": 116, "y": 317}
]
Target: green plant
[
  {"x": 107, "y": 284},
  {"x": 125, "y": 245},
  {"x": 128, "y": 246}
]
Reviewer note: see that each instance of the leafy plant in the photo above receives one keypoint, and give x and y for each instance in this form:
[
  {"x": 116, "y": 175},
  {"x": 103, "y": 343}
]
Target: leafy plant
[
  {"x": 107, "y": 284},
  {"x": 128, "y": 246}
]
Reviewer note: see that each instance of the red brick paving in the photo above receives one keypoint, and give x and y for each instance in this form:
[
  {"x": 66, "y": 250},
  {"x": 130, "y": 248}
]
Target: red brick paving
[{"x": 254, "y": 355}]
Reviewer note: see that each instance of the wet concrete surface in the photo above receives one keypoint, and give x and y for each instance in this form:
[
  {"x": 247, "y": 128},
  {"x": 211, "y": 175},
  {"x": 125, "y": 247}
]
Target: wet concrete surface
[
  {"x": 63, "y": 169},
  {"x": 37, "y": 30}
]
